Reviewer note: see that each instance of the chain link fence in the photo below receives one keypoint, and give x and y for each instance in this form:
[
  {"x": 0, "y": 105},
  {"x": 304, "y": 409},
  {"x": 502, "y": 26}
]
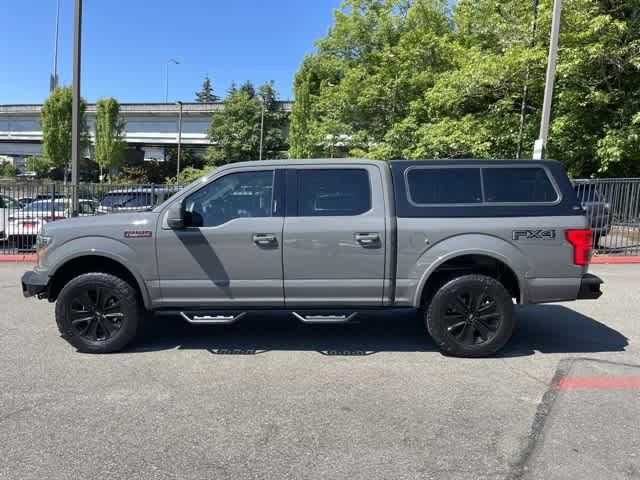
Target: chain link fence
[{"x": 612, "y": 206}]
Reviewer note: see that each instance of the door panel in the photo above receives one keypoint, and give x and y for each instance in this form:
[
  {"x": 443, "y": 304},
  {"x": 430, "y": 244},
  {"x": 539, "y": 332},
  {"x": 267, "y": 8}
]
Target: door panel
[
  {"x": 232, "y": 254},
  {"x": 334, "y": 248}
]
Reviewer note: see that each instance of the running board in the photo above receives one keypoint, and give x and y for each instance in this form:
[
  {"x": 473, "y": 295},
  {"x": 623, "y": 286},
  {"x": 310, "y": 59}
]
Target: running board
[
  {"x": 205, "y": 319},
  {"x": 315, "y": 318}
]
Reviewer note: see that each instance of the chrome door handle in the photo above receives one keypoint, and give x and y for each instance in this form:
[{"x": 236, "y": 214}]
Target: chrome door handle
[
  {"x": 367, "y": 239},
  {"x": 265, "y": 239}
]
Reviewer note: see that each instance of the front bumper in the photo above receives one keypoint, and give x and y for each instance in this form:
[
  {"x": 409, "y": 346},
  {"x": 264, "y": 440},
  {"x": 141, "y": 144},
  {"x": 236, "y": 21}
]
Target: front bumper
[
  {"x": 590, "y": 287},
  {"x": 34, "y": 283}
]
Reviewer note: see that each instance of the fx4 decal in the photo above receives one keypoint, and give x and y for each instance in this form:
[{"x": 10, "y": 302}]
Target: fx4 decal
[{"x": 534, "y": 234}]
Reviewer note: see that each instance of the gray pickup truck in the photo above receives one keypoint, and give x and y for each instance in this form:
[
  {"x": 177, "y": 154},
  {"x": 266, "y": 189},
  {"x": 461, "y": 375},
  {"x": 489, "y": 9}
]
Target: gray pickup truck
[{"x": 327, "y": 241}]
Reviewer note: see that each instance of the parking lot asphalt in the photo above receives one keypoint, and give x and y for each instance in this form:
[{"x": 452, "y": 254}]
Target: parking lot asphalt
[{"x": 270, "y": 398}]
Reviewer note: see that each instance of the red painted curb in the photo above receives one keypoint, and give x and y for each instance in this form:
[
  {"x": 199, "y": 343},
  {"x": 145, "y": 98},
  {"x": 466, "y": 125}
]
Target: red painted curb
[
  {"x": 599, "y": 382},
  {"x": 603, "y": 259},
  {"x": 19, "y": 257}
]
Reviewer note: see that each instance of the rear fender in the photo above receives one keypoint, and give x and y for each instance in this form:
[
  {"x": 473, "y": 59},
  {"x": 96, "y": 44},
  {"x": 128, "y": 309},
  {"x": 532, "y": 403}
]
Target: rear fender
[{"x": 470, "y": 244}]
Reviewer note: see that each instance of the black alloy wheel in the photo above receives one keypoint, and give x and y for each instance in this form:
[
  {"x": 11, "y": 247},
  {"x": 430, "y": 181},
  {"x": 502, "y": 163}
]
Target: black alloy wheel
[
  {"x": 98, "y": 312},
  {"x": 470, "y": 316}
]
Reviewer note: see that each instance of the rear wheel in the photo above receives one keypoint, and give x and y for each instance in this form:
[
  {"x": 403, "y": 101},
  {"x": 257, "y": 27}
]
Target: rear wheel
[
  {"x": 470, "y": 316},
  {"x": 98, "y": 313}
]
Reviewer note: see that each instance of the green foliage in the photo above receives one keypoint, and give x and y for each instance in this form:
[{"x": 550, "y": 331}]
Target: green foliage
[
  {"x": 189, "y": 175},
  {"x": 421, "y": 78},
  {"x": 8, "y": 169},
  {"x": 56, "y": 121},
  {"x": 110, "y": 145},
  {"x": 235, "y": 132},
  {"x": 206, "y": 95},
  {"x": 162, "y": 171},
  {"x": 41, "y": 165}
]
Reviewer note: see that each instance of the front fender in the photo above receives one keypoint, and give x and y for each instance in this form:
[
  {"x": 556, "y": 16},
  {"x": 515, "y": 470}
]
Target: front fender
[
  {"x": 470, "y": 244},
  {"x": 102, "y": 247}
]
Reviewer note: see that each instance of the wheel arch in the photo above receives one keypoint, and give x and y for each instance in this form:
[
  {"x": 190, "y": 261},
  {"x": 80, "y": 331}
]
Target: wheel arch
[
  {"x": 458, "y": 263},
  {"x": 80, "y": 264}
]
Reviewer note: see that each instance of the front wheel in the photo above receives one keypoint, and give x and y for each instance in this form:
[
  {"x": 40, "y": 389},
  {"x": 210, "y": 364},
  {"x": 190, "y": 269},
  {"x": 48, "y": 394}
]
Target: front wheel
[
  {"x": 98, "y": 313},
  {"x": 471, "y": 316}
]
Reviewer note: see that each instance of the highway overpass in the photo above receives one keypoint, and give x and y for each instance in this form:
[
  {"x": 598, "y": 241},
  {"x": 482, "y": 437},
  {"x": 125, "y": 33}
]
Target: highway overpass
[{"x": 150, "y": 126}]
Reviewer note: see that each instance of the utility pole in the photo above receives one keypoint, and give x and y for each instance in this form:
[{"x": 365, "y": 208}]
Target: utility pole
[
  {"x": 541, "y": 143},
  {"x": 75, "y": 123},
  {"x": 179, "y": 138},
  {"x": 53, "y": 81}
]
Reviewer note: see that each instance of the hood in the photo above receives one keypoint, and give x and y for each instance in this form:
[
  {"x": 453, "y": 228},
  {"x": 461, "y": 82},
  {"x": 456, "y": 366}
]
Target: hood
[{"x": 103, "y": 225}]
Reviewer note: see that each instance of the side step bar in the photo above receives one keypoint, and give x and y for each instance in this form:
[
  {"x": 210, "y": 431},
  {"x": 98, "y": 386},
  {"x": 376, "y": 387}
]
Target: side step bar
[
  {"x": 205, "y": 319},
  {"x": 315, "y": 318}
]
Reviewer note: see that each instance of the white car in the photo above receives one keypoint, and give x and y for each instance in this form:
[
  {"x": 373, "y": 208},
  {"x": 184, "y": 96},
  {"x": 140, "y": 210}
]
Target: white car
[
  {"x": 8, "y": 207},
  {"x": 24, "y": 224}
]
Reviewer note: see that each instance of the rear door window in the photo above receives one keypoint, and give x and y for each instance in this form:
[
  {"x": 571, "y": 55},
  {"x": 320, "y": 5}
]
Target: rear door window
[
  {"x": 444, "y": 186},
  {"x": 333, "y": 192},
  {"x": 518, "y": 185}
]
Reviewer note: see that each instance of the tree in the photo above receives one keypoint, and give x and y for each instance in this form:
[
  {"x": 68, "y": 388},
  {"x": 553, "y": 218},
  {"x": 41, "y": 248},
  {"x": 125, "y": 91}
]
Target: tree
[
  {"x": 301, "y": 143},
  {"x": 235, "y": 132},
  {"x": 39, "y": 164},
  {"x": 432, "y": 78},
  {"x": 8, "y": 169},
  {"x": 109, "y": 128},
  {"x": 56, "y": 121},
  {"x": 206, "y": 95}
]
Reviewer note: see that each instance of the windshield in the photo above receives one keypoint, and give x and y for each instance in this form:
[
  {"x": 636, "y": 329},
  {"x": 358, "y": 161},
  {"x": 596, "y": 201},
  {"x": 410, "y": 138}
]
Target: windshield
[{"x": 44, "y": 206}]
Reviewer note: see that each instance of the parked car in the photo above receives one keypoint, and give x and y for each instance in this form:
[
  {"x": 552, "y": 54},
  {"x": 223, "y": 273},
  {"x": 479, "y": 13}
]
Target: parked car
[
  {"x": 134, "y": 199},
  {"x": 327, "y": 241},
  {"x": 24, "y": 224},
  {"x": 597, "y": 209},
  {"x": 26, "y": 200},
  {"x": 8, "y": 206}
]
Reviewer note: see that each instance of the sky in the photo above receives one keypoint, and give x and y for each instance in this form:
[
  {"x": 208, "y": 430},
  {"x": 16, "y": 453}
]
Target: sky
[{"x": 127, "y": 43}]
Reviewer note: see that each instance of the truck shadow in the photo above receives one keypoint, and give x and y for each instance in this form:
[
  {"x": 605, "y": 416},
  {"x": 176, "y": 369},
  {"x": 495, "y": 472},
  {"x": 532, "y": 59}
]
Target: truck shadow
[{"x": 540, "y": 328}]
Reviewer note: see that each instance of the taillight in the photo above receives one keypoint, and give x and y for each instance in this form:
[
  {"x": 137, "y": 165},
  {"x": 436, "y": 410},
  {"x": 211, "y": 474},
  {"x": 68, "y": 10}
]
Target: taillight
[{"x": 581, "y": 240}]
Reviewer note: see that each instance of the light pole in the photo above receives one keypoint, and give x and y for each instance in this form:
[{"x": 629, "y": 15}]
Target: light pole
[
  {"x": 75, "y": 116},
  {"x": 179, "y": 103},
  {"x": 53, "y": 81},
  {"x": 541, "y": 143},
  {"x": 166, "y": 78}
]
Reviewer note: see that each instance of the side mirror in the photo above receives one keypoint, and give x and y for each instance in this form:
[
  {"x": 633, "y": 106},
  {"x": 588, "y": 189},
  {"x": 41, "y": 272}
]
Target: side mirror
[{"x": 175, "y": 216}]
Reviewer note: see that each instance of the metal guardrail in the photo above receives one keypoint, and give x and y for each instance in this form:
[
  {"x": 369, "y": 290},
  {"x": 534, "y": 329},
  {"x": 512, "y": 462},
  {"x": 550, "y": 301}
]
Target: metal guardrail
[
  {"x": 26, "y": 207},
  {"x": 612, "y": 206}
]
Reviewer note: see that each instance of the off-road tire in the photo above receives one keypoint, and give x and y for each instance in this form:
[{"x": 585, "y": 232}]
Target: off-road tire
[
  {"x": 461, "y": 330},
  {"x": 69, "y": 308}
]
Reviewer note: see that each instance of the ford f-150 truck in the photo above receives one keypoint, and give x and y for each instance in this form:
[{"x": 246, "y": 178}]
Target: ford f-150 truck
[{"x": 327, "y": 241}]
